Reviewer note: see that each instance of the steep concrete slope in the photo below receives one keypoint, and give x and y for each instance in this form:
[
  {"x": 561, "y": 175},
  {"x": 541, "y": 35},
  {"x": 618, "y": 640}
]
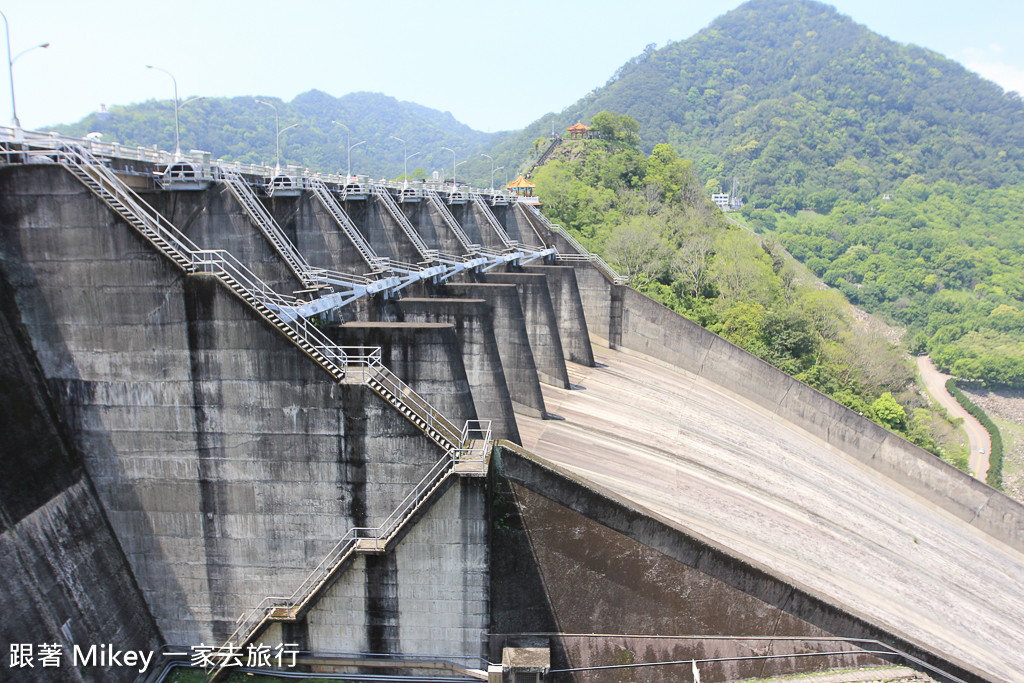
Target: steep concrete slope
[{"x": 694, "y": 452}]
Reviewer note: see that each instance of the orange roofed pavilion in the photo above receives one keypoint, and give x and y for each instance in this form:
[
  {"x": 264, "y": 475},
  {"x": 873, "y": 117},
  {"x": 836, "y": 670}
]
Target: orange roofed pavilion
[
  {"x": 579, "y": 131},
  {"x": 521, "y": 186}
]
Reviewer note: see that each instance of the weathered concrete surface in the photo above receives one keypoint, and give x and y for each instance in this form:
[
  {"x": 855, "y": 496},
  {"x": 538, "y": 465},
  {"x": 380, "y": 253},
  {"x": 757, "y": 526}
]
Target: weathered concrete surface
[
  {"x": 424, "y": 355},
  {"x": 605, "y": 567},
  {"x": 60, "y": 563},
  {"x": 428, "y": 595},
  {"x": 516, "y": 225},
  {"x": 474, "y": 328},
  {"x": 476, "y": 226},
  {"x": 516, "y": 355},
  {"x": 569, "y": 315},
  {"x": 638, "y": 323},
  {"x": 541, "y": 324},
  {"x": 214, "y": 219},
  {"x": 317, "y": 236},
  {"x": 600, "y": 299},
  {"x": 446, "y": 242},
  {"x": 383, "y": 233},
  {"x": 227, "y": 462},
  {"x": 720, "y": 465}
]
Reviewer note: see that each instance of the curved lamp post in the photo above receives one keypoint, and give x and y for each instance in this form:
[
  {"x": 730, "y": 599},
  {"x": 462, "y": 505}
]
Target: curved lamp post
[
  {"x": 349, "y": 145},
  {"x": 10, "y": 68},
  {"x": 405, "y": 164},
  {"x": 492, "y": 170},
  {"x": 277, "y": 127},
  {"x": 177, "y": 106},
  {"x": 453, "y": 165}
]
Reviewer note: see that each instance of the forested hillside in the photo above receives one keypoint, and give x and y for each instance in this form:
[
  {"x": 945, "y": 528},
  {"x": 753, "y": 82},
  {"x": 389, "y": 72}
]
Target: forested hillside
[
  {"x": 805, "y": 107},
  {"x": 649, "y": 217},
  {"x": 242, "y": 129}
]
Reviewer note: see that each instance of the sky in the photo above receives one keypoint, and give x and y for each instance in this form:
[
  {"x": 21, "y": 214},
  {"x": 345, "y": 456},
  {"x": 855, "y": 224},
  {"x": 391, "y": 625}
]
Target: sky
[{"x": 494, "y": 66}]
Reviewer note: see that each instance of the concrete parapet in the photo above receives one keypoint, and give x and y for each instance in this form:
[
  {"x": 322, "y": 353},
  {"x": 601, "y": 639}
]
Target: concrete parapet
[
  {"x": 541, "y": 324},
  {"x": 639, "y": 323},
  {"x": 517, "y": 360},
  {"x": 474, "y": 328},
  {"x": 572, "y": 322}
]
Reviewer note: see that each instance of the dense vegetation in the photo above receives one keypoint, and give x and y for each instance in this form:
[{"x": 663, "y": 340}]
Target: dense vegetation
[
  {"x": 994, "y": 478},
  {"x": 649, "y": 217},
  {"x": 806, "y": 107},
  {"x": 241, "y": 129},
  {"x": 945, "y": 261}
]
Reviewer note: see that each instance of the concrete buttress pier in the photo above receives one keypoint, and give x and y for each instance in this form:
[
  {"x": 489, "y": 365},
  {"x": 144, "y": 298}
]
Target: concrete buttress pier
[
  {"x": 568, "y": 308},
  {"x": 474, "y": 327},
  {"x": 517, "y": 359},
  {"x": 541, "y": 324}
]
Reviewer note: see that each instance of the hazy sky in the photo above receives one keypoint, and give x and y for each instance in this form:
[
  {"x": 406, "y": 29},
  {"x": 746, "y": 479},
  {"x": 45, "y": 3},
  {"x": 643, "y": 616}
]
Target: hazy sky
[{"x": 494, "y": 66}]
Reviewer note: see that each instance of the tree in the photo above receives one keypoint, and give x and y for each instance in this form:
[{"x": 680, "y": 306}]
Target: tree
[
  {"x": 888, "y": 412},
  {"x": 637, "y": 248}
]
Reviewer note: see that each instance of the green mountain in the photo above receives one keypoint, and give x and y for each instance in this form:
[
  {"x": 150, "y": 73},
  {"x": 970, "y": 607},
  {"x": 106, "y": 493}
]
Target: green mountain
[
  {"x": 241, "y": 129},
  {"x": 804, "y": 106}
]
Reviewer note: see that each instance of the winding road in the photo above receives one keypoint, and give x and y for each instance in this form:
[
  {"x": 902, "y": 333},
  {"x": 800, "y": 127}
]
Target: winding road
[{"x": 977, "y": 436}]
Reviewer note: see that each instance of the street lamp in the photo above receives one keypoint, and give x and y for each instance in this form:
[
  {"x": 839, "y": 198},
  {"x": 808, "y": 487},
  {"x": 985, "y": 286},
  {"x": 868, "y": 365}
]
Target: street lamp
[
  {"x": 405, "y": 182},
  {"x": 10, "y": 68},
  {"x": 177, "y": 106},
  {"x": 277, "y": 127},
  {"x": 351, "y": 147},
  {"x": 348, "y": 143},
  {"x": 453, "y": 166},
  {"x": 492, "y": 170}
]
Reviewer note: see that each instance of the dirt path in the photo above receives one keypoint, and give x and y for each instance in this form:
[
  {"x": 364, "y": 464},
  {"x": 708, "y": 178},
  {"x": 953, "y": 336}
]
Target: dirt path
[{"x": 977, "y": 436}]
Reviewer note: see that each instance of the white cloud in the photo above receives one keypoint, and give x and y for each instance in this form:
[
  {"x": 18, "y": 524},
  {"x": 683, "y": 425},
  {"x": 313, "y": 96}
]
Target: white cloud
[{"x": 988, "y": 63}]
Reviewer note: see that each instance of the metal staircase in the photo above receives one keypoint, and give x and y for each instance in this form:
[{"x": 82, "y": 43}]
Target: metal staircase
[
  {"x": 403, "y": 221},
  {"x": 582, "y": 254},
  {"x": 470, "y": 461},
  {"x": 262, "y": 219},
  {"x": 465, "y": 450},
  {"x": 492, "y": 220},
  {"x": 435, "y": 200},
  {"x": 323, "y": 193}
]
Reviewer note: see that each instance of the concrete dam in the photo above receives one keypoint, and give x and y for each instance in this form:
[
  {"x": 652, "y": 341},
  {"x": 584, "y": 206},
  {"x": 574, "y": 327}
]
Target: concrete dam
[{"x": 417, "y": 429}]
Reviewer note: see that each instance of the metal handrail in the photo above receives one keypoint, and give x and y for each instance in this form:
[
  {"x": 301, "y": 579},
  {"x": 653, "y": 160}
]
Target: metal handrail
[
  {"x": 449, "y": 218},
  {"x": 396, "y": 212},
  {"x": 478, "y": 200},
  {"x": 601, "y": 264},
  {"x": 344, "y": 222},
  {"x": 262, "y": 219}
]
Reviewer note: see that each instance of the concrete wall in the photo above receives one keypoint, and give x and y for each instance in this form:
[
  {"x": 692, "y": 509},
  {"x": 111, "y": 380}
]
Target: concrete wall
[
  {"x": 381, "y": 230},
  {"x": 569, "y": 315},
  {"x": 637, "y": 322},
  {"x": 474, "y": 329},
  {"x": 587, "y": 563},
  {"x": 517, "y": 360},
  {"x": 427, "y": 595},
  {"x": 446, "y": 241},
  {"x": 476, "y": 226},
  {"x": 518, "y": 227},
  {"x": 227, "y": 462},
  {"x": 317, "y": 236},
  {"x": 214, "y": 219},
  {"x": 60, "y": 563},
  {"x": 541, "y": 324},
  {"x": 424, "y": 355}
]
